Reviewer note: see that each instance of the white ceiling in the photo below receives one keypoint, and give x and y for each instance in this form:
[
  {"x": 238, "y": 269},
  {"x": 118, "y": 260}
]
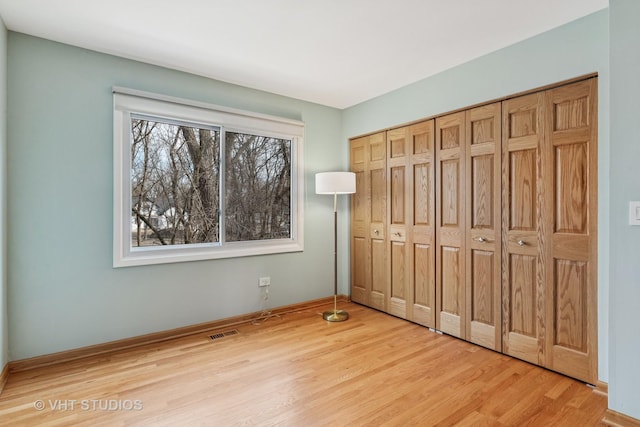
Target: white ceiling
[{"x": 332, "y": 52}]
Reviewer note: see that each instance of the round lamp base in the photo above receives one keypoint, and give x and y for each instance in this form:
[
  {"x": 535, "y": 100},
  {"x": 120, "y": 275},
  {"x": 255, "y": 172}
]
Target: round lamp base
[{"x": 335, "y": 316}]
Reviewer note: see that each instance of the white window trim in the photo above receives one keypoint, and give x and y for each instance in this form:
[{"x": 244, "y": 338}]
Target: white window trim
[{"x": 127, "y": 101}]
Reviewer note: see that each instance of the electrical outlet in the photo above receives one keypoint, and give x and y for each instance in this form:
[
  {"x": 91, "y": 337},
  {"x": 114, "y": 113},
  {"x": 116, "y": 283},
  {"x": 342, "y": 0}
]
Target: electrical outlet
[
  {"x": 264, "y": 281},
  {"x": 634, "y": 213}
]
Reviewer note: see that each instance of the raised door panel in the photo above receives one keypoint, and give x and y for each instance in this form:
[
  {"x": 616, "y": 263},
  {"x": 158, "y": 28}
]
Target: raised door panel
[
  {"x": 521, "y": 316},
  {"x": 523, "y": 262},
  {"x": 423, "y": 285},
  {"x": 423, "y": 194},
  {"x": 483, "y": 230},
  {"x": 571, "y": 218},
  {"x": 451, "y": 291},
  {"x": 450, "y": 222},
  {"x": 397, "y": 195},
  {"x": 421, "y": 203},
  {"x": 450, "y": 189},
  {"x": 359, "y": 283},
  {"x": 377, "y": 245},
  {"x": 397, "y": 305},
  {"x": 378, "y": 206},
  {"x": 377, "y": 151},
  {"x": 378, "y": 274}
]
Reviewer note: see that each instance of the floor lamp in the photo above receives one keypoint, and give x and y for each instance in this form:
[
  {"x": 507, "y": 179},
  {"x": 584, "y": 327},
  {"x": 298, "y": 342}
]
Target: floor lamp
[{"x": 335, "y": 183}]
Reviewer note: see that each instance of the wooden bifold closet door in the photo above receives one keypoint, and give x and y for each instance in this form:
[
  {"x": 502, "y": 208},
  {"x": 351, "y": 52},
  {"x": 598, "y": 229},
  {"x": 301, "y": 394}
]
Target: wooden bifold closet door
[
  {"x": 368, "y": 221},
  {"x": 482, "y": 224},
  {"x": 450, "y": 224},
  {"x": 468, "y": 254},
  {"x": 549, "y": 229},
  {"x": 411, "y": 214}
]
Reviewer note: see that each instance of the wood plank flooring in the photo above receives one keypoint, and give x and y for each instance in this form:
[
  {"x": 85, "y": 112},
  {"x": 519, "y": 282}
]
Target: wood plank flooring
[{"x": 298, "y": 370}]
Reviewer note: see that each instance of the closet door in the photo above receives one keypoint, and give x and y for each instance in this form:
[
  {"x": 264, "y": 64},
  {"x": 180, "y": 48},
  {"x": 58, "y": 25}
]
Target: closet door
[
  {"x": 450, "y": 224},
  {"x": 411, "y": 212},
  {"x": 523, "y": 198},
  {"x": 368, "y": 219},
  {"x": 378, "y": 214},
  {"x": 422, "y": 283},
  {"x": 399, "y": 190},
  {"x": 483, "y": 226},
  {"x": 571, "y": 225},
  {"x": 549, "y": 229},
  {"x": 360, "y": 275}
]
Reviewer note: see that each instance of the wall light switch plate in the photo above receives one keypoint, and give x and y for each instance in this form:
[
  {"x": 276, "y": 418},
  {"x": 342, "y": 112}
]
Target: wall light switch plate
[{"x": 634, "y": 213}]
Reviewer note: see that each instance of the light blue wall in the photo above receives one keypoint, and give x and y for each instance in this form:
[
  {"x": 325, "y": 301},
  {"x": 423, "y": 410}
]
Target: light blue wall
[
  {"x": 624, "y": 393},
  {"x": 575, "y": 49},
  {"x": 4, "y": 324},
  {"x": 63, "y": 293},
  {"x": 62, "y": 290}
]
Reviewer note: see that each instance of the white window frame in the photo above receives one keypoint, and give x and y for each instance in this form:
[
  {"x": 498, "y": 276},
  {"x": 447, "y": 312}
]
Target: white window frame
[{"x": 130, "y": 101}]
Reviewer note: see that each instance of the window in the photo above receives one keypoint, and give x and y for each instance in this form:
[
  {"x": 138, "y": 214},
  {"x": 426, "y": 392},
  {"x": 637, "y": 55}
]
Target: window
[{"x": 195, "y": 181}]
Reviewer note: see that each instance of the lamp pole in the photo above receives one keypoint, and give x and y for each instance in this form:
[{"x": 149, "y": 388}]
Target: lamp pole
[
  {"x": 335, "y": 315},
  {"x": 335, "y": 183}
]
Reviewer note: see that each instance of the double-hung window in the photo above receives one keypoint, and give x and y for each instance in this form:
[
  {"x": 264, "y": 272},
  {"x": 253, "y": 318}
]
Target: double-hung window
[{"x": 196, "y": 181}]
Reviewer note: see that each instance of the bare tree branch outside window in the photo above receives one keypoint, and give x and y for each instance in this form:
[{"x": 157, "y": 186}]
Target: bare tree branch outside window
[
  {"x": 258, "y": 187},
  {"x": 175, "y": 185}
]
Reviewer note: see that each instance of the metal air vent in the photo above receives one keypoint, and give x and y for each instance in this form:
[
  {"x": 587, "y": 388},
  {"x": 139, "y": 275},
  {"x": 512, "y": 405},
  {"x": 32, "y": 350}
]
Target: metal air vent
[{"x": 220, "y": 335}]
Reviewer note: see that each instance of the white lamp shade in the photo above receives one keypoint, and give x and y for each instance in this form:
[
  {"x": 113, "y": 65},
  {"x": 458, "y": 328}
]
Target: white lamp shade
[{"x": 335, "y": 183}]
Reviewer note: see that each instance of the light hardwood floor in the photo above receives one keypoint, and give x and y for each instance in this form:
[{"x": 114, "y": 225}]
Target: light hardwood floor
[{"x": 298, "y": 370}]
